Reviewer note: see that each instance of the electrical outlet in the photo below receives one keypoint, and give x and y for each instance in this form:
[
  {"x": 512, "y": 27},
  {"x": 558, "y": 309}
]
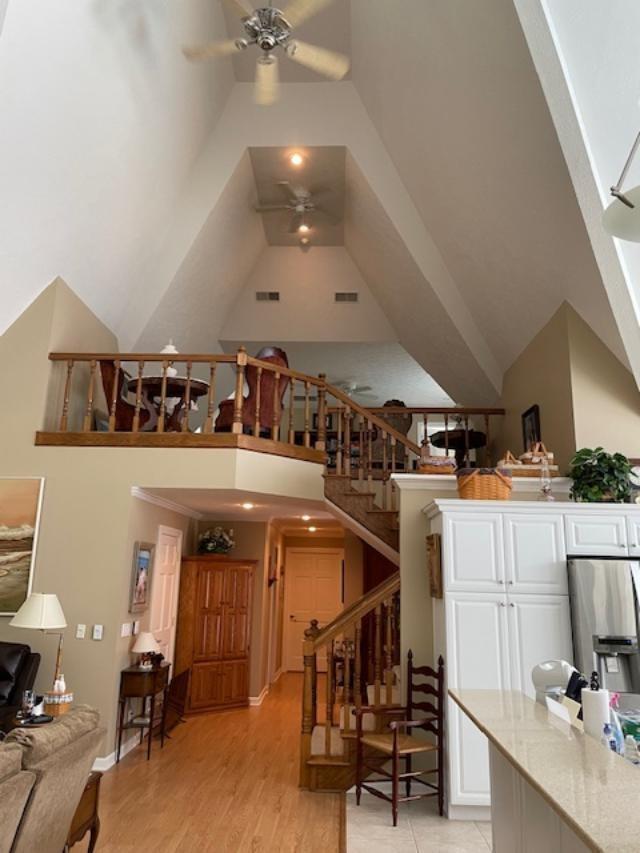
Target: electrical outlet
[
  {"x": 125, "y": 631},
  {"x": 81, "y": 632},
  {"x": 97, "y": 632}
]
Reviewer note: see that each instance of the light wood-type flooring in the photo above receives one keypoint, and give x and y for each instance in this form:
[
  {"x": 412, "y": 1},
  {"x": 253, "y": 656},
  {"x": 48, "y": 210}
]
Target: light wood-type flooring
[{"x": 224, "y": 783}]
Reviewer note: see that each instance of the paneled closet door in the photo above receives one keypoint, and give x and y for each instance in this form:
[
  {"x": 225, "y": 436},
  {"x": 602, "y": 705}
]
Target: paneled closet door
[
  {"x": 237, "y": 608},
  {"x": 536, "y": 553},
  {"x": 477, "y": 659},
  {"x": 474, "y": 552},
  {"x": 208, "y": 635}
]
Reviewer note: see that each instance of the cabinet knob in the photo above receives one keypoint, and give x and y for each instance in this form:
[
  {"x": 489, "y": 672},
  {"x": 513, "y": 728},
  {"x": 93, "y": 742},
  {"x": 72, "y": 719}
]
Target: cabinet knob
[
  {"x": 511, "y": 604},
  {"x": 502, "y": 604}
]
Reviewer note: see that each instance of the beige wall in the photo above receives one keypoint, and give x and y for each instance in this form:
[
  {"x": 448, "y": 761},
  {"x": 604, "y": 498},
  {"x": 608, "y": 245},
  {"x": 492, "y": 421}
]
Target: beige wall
[
  {"x": 84, "y": 549},
  {"x": 416, "y": 622}
]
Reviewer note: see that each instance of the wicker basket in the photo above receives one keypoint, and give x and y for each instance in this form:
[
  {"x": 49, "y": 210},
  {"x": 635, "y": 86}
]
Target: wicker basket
[
  {"x": 57, "y": 704},
  {"x": 536, "y": 454},
  {"x": 484, "y": 484},
  {"x": 428, "y": 464},
  {"x": 509, "y": 461}
]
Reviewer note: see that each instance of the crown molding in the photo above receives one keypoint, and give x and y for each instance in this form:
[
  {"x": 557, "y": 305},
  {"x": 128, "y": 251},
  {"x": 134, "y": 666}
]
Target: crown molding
[{"x": 165, "y": 503}]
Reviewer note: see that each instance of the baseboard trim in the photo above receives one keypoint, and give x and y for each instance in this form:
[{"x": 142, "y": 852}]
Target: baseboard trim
[
  {"x": 277, "y": 675},
  {"x": 254, "y": 701},
  {"x": 107, "y": 762},
  {"x": 476, "y": 813}
]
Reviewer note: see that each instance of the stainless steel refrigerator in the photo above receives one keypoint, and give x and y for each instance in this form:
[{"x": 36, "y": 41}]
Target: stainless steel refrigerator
[{"x": 604, "y": 618}]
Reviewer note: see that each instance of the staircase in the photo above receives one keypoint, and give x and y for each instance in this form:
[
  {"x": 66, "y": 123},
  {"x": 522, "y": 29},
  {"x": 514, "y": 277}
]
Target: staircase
[{"x": 351, "y": 662}]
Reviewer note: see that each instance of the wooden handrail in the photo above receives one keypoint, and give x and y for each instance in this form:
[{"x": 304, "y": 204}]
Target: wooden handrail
[
  {"x": 352, "y": 614},
  {"x": 142, "y": 356},
  {"x": 434, "y": 410}
]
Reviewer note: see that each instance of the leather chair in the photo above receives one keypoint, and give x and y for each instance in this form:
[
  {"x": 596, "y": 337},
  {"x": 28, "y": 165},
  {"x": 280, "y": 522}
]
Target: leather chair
[
  {"x": 268, "y": 416},
  {"x": 18, "y": 669}
]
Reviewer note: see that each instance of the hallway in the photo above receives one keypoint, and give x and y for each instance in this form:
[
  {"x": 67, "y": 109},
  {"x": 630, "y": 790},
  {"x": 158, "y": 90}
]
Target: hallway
[{"x": 224, "y": 782}]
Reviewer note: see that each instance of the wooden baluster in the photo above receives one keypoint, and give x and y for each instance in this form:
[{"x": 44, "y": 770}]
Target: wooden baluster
[
  {"x": 466, "y": 441},
  {"x": 275, "y": 423},
  {"x": 377, "y": 661},
  {"x": 388, "y": 674},
  {"x": 256, "y": 419},
  {"x": 114, "y": 396},
  {"x": 328, "y": 723},
  {"x": 136, "y": 414},
  {"x": 347, "y": 441},
  {"x": 309, "y": 696},
  {"x": 425, "y": 421},
  {"x": 385, "y": 472},
  {"x": 361, "y": 450},
  {"x": 184, "y": 423},
  {"x": 446, "y": 434},
  {"x": 357, "y": 670},
  {"x": 211, "y": 397},
  {"x": 488, "y": 440},
  {"x": 64, "y": 417},
  {"x": 292, "y": 394},
  {"x": 393, "y": 468},
  {"x": 339, "y": 442},
  {"x": 86, "y": 424},
  {"x": 163, "y": 397},
  {"x": 238, "y": 402},
  {"x": 321, "y": 438},
  {"x": 307, "y": 416},
  {"x": 370, "y": 454},
  {"x": 346, "y": 690}
]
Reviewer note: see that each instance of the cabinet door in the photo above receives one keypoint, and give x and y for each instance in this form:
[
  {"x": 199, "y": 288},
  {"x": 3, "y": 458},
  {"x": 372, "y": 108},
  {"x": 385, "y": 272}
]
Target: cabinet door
[
  {"x": 237, "y": 609},
  {"x": 539, "y": 630},
  {"x": 596, "y": 534},
  {"x": 633, "y": 534},
  {"x": 209, "y": 612},
  {"x": 477, "y": 658},
  {"x": 236, "y": 682},
  {"x": 536, "y": 557},
  {"x": 207, "y": 686},
  {"x": 473, "y": 552}
]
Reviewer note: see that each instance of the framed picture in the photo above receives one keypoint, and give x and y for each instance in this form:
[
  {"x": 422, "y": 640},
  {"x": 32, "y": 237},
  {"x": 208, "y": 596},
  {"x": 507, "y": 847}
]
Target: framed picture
[
  {"x": 20, "y": 505},
  {"x": 141, "y": 576},
  {"x": 434, "y": 564},
  {"x": 328, "y": 420},
  {"x": 531, "y": 427}
]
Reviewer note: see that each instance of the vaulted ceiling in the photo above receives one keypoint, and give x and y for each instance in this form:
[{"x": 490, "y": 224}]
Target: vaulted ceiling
[{"x": 134, "y": 175}]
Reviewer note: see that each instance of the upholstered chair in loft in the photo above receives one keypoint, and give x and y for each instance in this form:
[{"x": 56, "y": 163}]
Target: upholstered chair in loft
[
  {"x": 270, "y": 409},
  {"x": 125, "y": 411}
]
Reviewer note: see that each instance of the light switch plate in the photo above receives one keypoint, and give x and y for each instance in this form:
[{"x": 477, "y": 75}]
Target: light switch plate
[
  {"x": 125, "y": 631},
  {"x": 97, "y": 632},
  {"x": 81, "y": 632}
]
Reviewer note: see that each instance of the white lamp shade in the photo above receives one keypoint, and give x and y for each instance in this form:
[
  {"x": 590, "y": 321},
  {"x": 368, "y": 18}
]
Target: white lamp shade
[
  {"x": 145, "y": 643},
  {"x": 41, "y": 611},
  {"x": 622, "y": 221}
]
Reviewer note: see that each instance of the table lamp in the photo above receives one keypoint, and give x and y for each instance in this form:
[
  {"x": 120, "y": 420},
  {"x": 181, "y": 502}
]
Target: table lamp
[{"x": 145, "y": 646}]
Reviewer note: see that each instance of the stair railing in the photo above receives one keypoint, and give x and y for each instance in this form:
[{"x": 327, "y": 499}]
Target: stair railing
[{"x": 364, "y": 641}]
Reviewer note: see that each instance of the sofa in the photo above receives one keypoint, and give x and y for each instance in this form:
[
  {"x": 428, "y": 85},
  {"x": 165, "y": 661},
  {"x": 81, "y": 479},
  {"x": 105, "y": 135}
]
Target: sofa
[
  {"x": 43, "y": 772},
  {"x": 18, "y": 669}
]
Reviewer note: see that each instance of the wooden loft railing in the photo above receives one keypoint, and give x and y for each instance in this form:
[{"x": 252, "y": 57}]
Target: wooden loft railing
[{"x": 361, "y": 649}]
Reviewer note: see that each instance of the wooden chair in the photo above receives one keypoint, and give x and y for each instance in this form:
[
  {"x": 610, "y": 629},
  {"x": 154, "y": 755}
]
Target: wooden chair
[
  {"x": 125, "y": 411},
  {"x": 399, "y": 744},
  {"x": 260, "y": 396}
]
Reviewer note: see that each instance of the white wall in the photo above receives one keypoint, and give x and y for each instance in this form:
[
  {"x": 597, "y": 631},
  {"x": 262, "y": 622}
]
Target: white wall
[{"x": 102, "y": 118}]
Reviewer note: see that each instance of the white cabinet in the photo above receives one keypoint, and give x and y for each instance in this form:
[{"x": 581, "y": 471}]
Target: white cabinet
[
  {"x": 477, "y": 657},
  {"x": 535, "y": 553},
  {"x": 596, "y": 534},
  {"x": 473, "y": 552},
  {"x": 539, "y": 629},
  {"x": 633, "y": 535}
]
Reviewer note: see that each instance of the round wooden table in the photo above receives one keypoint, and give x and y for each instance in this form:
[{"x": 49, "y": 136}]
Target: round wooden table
[{"x": 176, "y": 388}]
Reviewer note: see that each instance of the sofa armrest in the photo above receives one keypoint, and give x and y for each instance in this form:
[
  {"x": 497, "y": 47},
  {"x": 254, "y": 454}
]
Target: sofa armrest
[{"x": 26, "y": 678}]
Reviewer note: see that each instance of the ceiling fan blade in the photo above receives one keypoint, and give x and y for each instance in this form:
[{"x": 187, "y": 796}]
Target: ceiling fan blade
[
  {"x": 301, "y": 10},
  {"x": 296, "y": 221},
  {"x": 199, "y": 52},
  {"x": 319, "y": 59},
  {"x": 270, "y": 208},
  {"x": 289, "y": 191},
  {"x": 242, "y": 8},
  {"x": 266, "y": 90}
]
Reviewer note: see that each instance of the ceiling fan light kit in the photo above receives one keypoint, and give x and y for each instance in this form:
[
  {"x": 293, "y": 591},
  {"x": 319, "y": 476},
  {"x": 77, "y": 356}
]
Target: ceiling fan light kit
[
  {"x": 270, "y": 28},
  {"x": 622, "y": 217}
]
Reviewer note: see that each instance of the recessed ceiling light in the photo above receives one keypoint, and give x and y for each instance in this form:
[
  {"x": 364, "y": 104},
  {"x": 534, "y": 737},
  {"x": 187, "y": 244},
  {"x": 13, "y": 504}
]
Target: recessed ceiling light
[
  {"x": 296, "y": 159},
  {"x": 304, "y": 228},
  {"x": 304, "y": 241},
  {"x": 312, "y": 529},
  {"x": 247, "y": 505},
  {"x": 306, "y": 518}
]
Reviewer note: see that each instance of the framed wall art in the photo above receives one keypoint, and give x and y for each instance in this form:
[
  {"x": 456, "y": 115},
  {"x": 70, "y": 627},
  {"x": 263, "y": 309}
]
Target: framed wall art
[
  {"x": 531, "y": 427},
  {"x": 141, "y": 571},
  {"x": 20, "y": 506}
]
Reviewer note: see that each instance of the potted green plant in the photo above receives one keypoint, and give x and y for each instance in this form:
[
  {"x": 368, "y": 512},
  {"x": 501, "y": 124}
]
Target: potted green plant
[{"x": 600, "y": 476}]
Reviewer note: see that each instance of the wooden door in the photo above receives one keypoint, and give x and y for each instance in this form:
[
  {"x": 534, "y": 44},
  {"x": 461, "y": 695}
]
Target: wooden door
[
  {"x": 208, "y": 635},
  {"x": 474, "y": 552},
  {"x": 536, "y": 553},
  {"x": 313, "y": 591},
  {"x": 237, "y": 607},
  {"x": 165, "y": 583},
  {"x": 207, "y": 686}
]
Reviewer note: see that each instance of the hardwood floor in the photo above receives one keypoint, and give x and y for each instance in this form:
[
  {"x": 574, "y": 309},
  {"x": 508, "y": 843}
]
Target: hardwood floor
[{"x": 224, "y": 782}]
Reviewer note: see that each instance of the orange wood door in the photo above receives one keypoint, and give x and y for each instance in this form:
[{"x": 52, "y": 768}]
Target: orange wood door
[
  {"x": 237, "y": 612},
  {"x": 236, "y": 681},
  {"x": 207, "y": 685},
  {"x": 208, "y": 639}
]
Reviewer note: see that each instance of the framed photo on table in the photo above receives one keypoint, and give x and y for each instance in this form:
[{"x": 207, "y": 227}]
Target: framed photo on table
[
  {"x": 531, "y": 434},
  {"x": 141, "y": 571}
]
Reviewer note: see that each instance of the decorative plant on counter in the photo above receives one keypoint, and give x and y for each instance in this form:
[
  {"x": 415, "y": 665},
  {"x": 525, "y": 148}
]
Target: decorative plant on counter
[
  {"x": 216, "y": 541},
  {"x": 600, "y": 476}
]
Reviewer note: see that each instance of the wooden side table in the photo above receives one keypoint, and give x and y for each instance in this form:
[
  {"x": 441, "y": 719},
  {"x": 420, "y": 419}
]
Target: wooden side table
[
  {"x": 86, "y": 817},
  {"x": 137, "y": 683}
]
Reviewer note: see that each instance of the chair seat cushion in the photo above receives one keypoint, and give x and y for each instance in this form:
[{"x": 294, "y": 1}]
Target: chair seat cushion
[
  {"x": 406, "y": 744},
  {"x": 12, "y": 657}
]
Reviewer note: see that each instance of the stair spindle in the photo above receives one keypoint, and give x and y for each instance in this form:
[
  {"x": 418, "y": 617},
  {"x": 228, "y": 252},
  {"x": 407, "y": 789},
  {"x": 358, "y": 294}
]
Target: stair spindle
[
  {"x": 275, "y": 423},
  {"x": 361, "y": 449},
  {"x": 136, "y": 414},
  {"x": 86, "y": 424},
  {"x": 347, "y": 441},
  {"x": 321, "y": 437},
  {"x": 446, "y": 434},
  {"x": 377, "y": 661},
  {"x": 256, "y": 418},
  {"x": 114, "y": 396},
  {"x": 339, "y": 443},
  {"x": 370, "y": 454},
  {"x": 64, "y": 417},
  {"x": 487, "y": 451},
  {"x": 163, "y": 397},
  {"x": 307, "y": 415},
  {"x": 346, "y": 687},
  {"x": 292, "y": 394},
  {"x": 388, "y": 675},
  {"x": 466, "y": 440},
  {"x": 385, "y": 472},
  {"x": 238, "y": 400},
  {"x": 211, "y": 398},
  {"x": 357, "y": 672},
  {"x": 184, "y": 421},
  {"x": 328, "y": 723}
]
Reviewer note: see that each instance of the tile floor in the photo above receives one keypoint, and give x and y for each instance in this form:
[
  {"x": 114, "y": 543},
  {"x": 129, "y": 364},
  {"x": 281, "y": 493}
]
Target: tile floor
[{"x": 419, "y": 830}]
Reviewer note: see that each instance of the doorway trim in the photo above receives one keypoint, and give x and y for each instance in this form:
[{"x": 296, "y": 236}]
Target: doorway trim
[{"x": 173, "y": 531}]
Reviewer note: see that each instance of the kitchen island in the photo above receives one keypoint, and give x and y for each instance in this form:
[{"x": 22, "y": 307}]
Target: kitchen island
[{"x": 553, "y": 789}]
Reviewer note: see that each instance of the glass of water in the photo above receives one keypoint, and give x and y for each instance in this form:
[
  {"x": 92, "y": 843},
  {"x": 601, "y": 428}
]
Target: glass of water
[{"x": 28, "y": 703}]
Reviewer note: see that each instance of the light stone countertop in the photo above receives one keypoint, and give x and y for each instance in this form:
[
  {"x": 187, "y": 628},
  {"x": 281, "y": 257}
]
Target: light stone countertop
[{"x": 595, "y": 791}]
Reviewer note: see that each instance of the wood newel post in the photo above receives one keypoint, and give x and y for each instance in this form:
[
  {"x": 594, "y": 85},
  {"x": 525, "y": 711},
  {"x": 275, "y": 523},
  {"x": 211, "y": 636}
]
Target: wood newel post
[
  {"x": 64, "y": 417},
  {"x": 309, "y": 698},
  {"x": 241, "y": 363},
  {"x": 321, "y": 440},
  {"x": 136, "y": 414},
  {"x": 256, "y": 419},
  {"x": 163, "y": 398},
  {"x": 114, "y": 396},
  {"x": 86, "y": 424},
  {"x": 275, "y": 423}
]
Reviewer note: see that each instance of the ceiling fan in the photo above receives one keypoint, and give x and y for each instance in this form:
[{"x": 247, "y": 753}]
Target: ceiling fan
[
  {"x": 269, "y": 28},
  {"x": 301, "y": 202},
  {"x": 353, "y": 389}
]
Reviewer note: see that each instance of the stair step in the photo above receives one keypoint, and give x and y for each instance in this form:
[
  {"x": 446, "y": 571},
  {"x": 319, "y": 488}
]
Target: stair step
[
  {"x": 318, "y": 742},
  {"x": 323, "y": 760}
]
